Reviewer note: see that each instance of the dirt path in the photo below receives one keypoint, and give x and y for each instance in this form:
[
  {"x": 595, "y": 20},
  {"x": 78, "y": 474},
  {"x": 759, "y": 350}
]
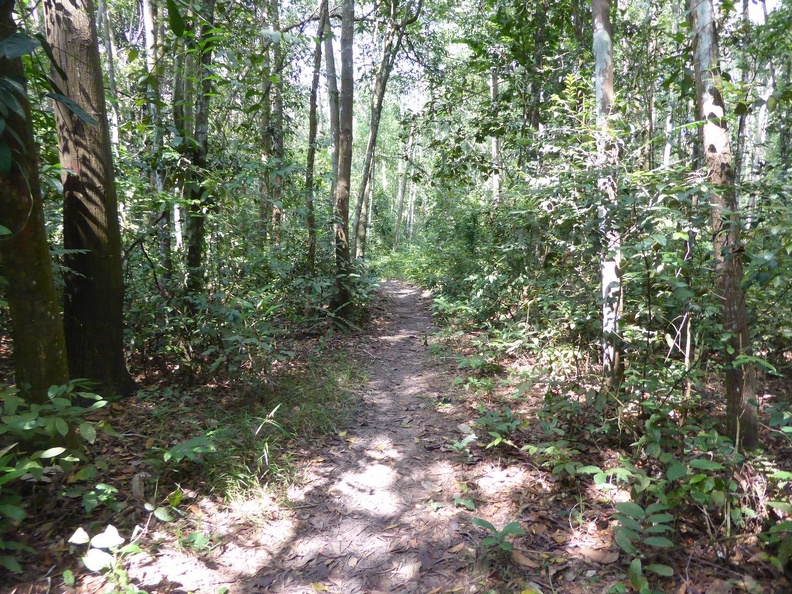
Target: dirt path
[
  {"x": 370, "y": 518},
  {"x": 375, "y": 511}
]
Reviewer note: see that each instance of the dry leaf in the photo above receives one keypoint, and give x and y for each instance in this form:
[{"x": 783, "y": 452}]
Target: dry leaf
[
  {"x": 319, "y": 587},
  {"x": 456, "y": 548},
  {"x": 523, "y": 561},
  {"x": 604, "y": 556}
]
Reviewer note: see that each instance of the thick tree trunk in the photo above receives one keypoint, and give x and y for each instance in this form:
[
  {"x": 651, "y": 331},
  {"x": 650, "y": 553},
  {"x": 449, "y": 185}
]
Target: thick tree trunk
[
  {"x": 310, "y": 218},
  {"x": 276, "y": 125},
  {"x": 37, "y": 327},
  {"x": 333, "y": 97},
  {"x": 94, "y": 291},
  {"x": 342, "y": 299},
  {"x": 743, "y": 425},
  {"x": 109, "y": 45},
  {"x": 606, "y": 162}
]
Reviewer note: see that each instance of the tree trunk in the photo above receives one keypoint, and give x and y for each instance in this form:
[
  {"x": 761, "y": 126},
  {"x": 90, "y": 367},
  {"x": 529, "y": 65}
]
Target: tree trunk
[
  {"x": 37, "y": 328},
  {"x": 107, "y": 39},
  {"x": 276, "y": 125},
  {"x": 495, "y": 148},
  {"x": 310, "y": 218},
  {"x": 197, "y": 199},
  {"x": 740, "y": 378},
  {"x": 606, "y": 163},
  {"x": 403, "y": 187},
  {"x": 94, "y": 287},
  {"x": 333, "y": 97},
  {"x": 342, "y": 299}
]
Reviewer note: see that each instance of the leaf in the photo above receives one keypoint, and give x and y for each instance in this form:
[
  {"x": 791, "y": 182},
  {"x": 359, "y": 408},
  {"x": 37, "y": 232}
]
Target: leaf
[
  {"x": 660, "y": 569},
  {"x": 73, "y": 107},
  {"x": 80, "y": 537},
  {"x": 17, "y": 45},
  {"x": 319, "y": 587},
  {"x": 676, "y": 471},
  {"x": 623, "y": 540},
  {"x": 10, "y": 563},
  {"x": 163, "y": 515},
  {"x": 659, "y": 541},
  {"x": 61, "y": 426},
  {"x": 88, "y": 432},
  {"x": 482, "y": 523},
  {"x": 703, "y": 464},
  {"x": 520, "y": 560},
  {"x": 108, "y": 539},
  {"x": 98, "y": 560},
  {"x": 604, "y": 556},
  {"x": 512, "y": 528},
  {"x": 637, "y": 578},
  {"x": 175, "y": 19},
  {"x": 12, "y": 511},
  {"x": 6, "y": 161},
  {"x": 632, "y": 510},
  {"x": 52, "y": 452},
  {"x": 68, "y": 577}
]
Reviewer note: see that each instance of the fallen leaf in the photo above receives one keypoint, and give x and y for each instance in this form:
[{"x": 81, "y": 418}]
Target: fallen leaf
[
  {"x": 319, "y": 587},
  {"x": 456, "y": 548},
  {"x": 604, "y": 556},
  {"x": 531, "y": 589},
  {"x": 523, "y": 561}
]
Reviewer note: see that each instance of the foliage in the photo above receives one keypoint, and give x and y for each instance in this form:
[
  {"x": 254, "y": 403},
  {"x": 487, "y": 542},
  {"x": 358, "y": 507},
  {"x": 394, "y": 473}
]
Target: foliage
[{"x": 498, "y": 540}]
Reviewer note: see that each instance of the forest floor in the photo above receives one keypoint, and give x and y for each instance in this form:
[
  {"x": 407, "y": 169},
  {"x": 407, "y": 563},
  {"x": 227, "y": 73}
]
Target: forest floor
[{"x": 387, "y": 503}]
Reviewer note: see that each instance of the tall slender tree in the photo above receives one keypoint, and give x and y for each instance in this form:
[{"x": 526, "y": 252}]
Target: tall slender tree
[
  {"x": 605, "y": 163},
  {"x": 94, "y": 291},
  {"x": 37, "y": 327},
  {"x": 741, "y": 408},
  {"x": 342, "y": 298}
]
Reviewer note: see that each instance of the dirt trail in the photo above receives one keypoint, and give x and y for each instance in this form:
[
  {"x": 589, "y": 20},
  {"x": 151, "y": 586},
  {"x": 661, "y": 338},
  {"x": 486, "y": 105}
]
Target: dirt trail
[{"x": 375, "y": 512}]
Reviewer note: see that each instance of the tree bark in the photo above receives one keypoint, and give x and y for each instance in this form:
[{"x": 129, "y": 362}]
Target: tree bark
[
  {"x": 334, "y": 100},
  {"x": 394, "y": 35},
  {"x": 741, "y": 408},
  {"x": 310, "y": 218},
  {"x": 94, "y": 287},
  {"x": 403, "y": 187},
  {"x": 606, "y": 163},
  {"x": 197, "y": 198},
  {"x": 37, "y": 327},
  {"x": 342, "y": 299},
  {"x": 276, "y": 125}
]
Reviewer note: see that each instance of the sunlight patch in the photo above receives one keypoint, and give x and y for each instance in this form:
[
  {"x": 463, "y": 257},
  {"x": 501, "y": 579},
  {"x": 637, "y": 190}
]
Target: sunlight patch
[{"x": 369, "y": 490}]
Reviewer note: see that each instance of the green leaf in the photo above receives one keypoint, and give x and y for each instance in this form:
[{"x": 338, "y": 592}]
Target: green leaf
[
  {"x": 163, "y": 515},
  {"x": 17, "y": 45},
  {"x": 88, "y": 432},
  {"x": 73, "y": 107},
  {"x": 61, "y": 426},
  {"x": 482, "y": 523},
  {"x": 52, "y": 452},
  {"x": 659, "y": 541},
  {"x": 660, "y": 569},
  {"x": 632, "y": 510},
  {"x": 623, "y": 540},
  {"x": 637, "y": 578},
  {"x": 704, "y": 464},
  {"x": 175, "y": 19},
  {"x": 10, "y": 563},
  {"x": 68, "y": 577},
  {"x": 6, "y": 161},
  {"x": 676, "y": 471},
  {"x": 12, "y": 511},
  {"x": 512, "y": 528}
]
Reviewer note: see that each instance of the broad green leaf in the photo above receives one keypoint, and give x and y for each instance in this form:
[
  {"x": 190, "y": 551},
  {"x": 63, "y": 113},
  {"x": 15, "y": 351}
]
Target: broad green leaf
[
  {"x": 10, "y": 563},
  {"x": 637, "y": 578},
  {"x": 12, "y": 511},
  {"x": 512, "y": 528},
  {"x": 175, "y": 19},
  {"x": 52, "y": 452},
  {"x": 163, "y": 514},
  {"x": 17, "y": 45},
  {"x": 660, "y": 569},
  {"x": 704, "y": 464},
  {"x": 482, "y": 523},
  {"x": 676, "y": 471},
  {"x": 88, "y": 432},
  {"x": 633, "y": 510},
  {"x": 659, "y": 541},
  {"x": 73, "y": 107},
  {"x": 625, "y": 543},
  {"x": 61, "y": 426}
]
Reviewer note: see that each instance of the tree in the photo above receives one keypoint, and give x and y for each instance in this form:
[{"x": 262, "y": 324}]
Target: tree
[
  {"x": 37, "y": 327},
  {"x": 94, "y": 286},
  {"x": 392, "y": 42},
  {"x": 342, "y": 298},
  {"x": 605, "y": 162},
  {"x": 741, "y": 409}
]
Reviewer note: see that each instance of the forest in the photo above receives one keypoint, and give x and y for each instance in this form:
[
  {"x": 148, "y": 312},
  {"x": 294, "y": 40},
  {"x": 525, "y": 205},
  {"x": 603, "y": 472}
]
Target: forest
[{"x": 548, "y": 240}]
